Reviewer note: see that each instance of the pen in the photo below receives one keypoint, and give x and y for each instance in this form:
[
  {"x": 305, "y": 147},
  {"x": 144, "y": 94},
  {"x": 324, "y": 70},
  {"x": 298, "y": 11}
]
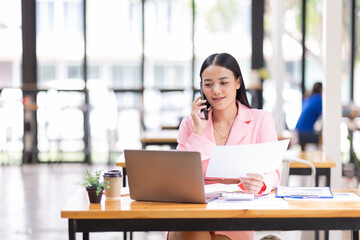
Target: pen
[{"x": 304, "y": 196}]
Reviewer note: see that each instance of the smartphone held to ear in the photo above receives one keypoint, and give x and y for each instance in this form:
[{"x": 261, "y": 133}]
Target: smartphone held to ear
[{"x": 205, "y": 110}]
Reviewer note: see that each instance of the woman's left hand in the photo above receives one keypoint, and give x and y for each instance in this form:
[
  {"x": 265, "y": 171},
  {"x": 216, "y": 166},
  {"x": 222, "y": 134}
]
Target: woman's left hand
[{"x": 252, "y": 183}]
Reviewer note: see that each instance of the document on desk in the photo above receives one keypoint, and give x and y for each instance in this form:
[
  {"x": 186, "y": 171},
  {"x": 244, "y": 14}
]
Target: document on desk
[
  {"x": 303, "y": 192},
  {"x": 263, "y": 202},
  {"x": 237, "y": 160},
  {"x": 221, "y": 188},
  {"x": 346, "y": 196}
]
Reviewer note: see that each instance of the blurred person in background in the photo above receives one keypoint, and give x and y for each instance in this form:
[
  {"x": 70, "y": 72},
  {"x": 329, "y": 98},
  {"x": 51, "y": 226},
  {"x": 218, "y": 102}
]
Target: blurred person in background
[{"x": 311, "y": 112}]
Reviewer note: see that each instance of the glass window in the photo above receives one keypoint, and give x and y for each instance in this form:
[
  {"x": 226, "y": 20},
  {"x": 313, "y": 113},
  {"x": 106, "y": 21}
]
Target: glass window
[
  {"x": 168, "y": 58},
  {"x": 11, "y": 107},
  {"x": 72, "y": 22},
  {"x": 74, "y": 71},
  {"x": 357, "y": 59},
  {"x": 60, "y": 43},
  {"x": 11, "y": 125},
  {"x": 175, "y": 110},
  {"x": 313, "y": 66},
  {"x": 126, "y": 76},
  {"x": 169, "y": 75},
  {"x": 45, "y": 15},
  {"x": 114, "y": 42},
  {"x": 47, "y": 72},
  {"x": 292, "y": 53},
  {"x": 114, "y": 48},
  {"x": 168, "y": 44},
  {"x": 93, "y": 71},
  {"x": 10, "y": 43},
  {"x": 115, "y": 123},
  {"x": 223, "y": 26},
  {"x": 129, "y": 120},
  {"x": 60, "y": 126},
  {"x": 348, "y": 104}
]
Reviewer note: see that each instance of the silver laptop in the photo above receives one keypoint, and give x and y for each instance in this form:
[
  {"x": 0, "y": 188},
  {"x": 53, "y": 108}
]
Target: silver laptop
[{"x": 166, "y": 176}]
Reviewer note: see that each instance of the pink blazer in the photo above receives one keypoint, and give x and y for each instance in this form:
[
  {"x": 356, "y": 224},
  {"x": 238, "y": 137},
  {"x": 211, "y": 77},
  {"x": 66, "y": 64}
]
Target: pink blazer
[{"x": 250, "y": 126}]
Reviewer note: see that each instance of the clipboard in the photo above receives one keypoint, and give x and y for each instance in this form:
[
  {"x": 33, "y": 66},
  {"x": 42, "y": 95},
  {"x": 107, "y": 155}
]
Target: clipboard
[{"x": 303, "y": 192}]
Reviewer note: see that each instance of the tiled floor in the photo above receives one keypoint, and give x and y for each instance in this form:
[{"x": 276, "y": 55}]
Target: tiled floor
[{"x": 32, "y": 197}]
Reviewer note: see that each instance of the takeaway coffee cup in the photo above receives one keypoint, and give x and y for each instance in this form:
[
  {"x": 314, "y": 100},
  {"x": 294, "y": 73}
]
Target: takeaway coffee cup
[{"x": 113, "y": 178}]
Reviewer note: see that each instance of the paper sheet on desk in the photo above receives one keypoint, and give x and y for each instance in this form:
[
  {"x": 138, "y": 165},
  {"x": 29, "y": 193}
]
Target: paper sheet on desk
[
  {"x": 263, "y": 202},
  {"x": 346, "y": 196},
  {"x": 237, "y": 160},
  {"x": 220, "y": 188}
]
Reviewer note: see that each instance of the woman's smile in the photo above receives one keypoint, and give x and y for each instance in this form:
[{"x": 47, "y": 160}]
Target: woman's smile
[{"x": 217, "y": 99}]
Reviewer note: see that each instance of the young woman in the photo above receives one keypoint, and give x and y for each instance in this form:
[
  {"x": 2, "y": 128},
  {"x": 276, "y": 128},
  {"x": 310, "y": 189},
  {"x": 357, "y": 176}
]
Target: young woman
[{"x": 231, "y": 121}]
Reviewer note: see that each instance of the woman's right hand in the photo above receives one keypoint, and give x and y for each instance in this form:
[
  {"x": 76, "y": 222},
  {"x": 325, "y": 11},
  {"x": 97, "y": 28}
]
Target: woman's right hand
[{"x": 199, "y": 123}]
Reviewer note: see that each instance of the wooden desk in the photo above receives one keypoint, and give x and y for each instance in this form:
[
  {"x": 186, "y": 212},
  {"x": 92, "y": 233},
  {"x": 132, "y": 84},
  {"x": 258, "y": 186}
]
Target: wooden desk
[
  {"x": 164, "y": 137},
  {"x": 323, "y": 166},
  {"x": 127, "y": 215}
]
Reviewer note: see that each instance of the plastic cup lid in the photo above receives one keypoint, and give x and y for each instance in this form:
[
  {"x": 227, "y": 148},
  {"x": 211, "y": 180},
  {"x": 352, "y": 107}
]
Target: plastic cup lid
[{"x": 113, "y": 173}]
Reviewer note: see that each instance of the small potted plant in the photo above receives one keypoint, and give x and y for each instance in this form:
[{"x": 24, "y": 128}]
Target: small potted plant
[{"x": 94, "y": 186}]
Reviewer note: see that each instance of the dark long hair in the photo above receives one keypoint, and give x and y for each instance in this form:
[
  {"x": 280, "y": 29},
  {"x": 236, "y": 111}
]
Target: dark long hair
[{"x": 229, "y": 62}]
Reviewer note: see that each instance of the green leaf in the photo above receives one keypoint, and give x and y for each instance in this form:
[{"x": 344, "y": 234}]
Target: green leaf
[{"x": 94, "y": 181}]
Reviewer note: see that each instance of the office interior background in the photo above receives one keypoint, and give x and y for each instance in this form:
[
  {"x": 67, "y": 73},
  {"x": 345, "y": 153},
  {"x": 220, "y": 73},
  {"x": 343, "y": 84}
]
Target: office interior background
[
  {"x": 85, "y": 78},
  {"x": 81, "y": 80}
]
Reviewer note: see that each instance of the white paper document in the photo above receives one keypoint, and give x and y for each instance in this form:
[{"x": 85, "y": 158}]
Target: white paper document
[
  {"x": 347, "y": 196},
  {"x": 221, "y": 188},
  {"x": 264, "y": 202},
  {"x": 304, "y": 192},
  {"x": 237, "y": 160}
]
